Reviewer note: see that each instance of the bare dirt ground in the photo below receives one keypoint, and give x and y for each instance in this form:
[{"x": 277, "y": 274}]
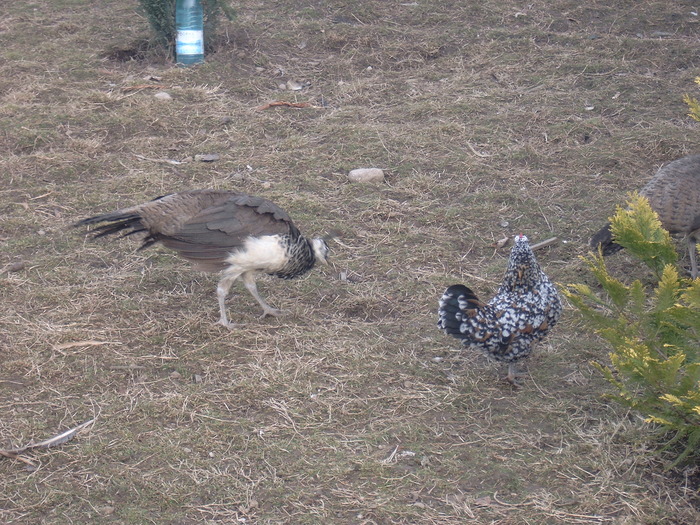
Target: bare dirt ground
[{"x": 490, "y": 119}]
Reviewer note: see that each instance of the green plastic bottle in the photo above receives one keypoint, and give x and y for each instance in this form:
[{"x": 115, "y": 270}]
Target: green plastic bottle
[{"x": 189, "y": 24}]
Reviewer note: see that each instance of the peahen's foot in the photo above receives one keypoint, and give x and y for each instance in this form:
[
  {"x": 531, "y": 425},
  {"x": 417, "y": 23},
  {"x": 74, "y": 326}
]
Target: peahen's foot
[
  {"x": 274, "y": 312},
  {"x": 228, "y": 324}
]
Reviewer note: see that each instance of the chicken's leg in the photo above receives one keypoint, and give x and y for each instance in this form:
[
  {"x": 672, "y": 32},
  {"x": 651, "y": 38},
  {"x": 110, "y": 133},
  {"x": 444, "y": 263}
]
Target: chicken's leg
[{"x": 513, "y": 375}]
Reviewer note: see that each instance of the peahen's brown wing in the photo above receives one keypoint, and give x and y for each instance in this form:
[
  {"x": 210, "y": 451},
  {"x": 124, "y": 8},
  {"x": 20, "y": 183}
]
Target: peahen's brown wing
[{"x": 205, "y": 226}]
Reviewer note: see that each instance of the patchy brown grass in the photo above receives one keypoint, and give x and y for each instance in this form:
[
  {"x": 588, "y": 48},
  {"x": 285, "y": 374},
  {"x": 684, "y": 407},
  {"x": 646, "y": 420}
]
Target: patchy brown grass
[{"x": 489, "y": 118}]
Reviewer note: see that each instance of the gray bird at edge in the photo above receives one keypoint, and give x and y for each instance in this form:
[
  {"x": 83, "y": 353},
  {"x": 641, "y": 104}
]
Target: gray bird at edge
[{"x": 673, "y": 193}]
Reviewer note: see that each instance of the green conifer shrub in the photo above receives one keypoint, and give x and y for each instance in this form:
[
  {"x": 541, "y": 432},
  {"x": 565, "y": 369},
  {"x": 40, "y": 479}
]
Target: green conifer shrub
[
  {"x": 693, "y": 104},
  {"x": 654, "y": 331}
]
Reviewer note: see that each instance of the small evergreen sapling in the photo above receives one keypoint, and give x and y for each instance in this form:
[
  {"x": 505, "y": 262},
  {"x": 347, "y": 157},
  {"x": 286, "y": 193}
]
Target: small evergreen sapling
[
  {"x": 693, "y": 104},
  {"x": 654, "y": 333}
]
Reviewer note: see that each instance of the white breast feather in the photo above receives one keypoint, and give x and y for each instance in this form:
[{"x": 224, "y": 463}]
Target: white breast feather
[{"x": 259, "y": 253}]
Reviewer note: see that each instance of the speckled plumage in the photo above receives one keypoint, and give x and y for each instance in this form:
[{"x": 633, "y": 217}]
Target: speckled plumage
[
  {"x": 674, "y": 193},
  {"x": 217, "y": 230},
  {"x": 522, "y": 312}
]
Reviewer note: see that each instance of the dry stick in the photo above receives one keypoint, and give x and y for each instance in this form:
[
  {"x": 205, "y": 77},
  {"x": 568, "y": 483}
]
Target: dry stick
[
  {"x": 495, "y": 498},
  {"x": 477, "y": 153},
  {"x": 127, "y": 89},
  {"x": 590, "y": 517},
  {"x": 500, "y": 243},
  {"x": 344, "y": 245},
  {"x": 284, "y": 103},
  {"x": 167, "y": 161},
  {"x": 66, "y": 346},
  {"x": 15, "y": 456},
  {"x": 392, "y": 455},
  {"x": 544, "y": 244}
]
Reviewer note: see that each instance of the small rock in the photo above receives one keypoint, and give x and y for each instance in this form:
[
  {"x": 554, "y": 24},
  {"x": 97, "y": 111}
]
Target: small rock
[
  {"x": 175, "y": 375},
  {"x": 197, "y": 378},
  {"x": 207, "y": 157},
  {"x": 484, "y": 501},
  {"x": 106, "y": 510},
  {"x": 293, "y": 85},
  {"x": 366, "y": 175},
  {"x": 162, "y": 95},
  {"x": 16, "y": 266}
]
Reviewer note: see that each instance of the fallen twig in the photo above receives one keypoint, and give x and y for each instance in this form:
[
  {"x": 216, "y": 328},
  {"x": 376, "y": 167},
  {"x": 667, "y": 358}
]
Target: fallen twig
[
  {"x": 167, "y": 161},
  {"x": 495, "y": 498},
  {"x": 500, "y": 243},
  {"x": 478, "y": 153},
  {"x": 15, "y": 456},
  {"x": 284, "y": 103},
  {"x": 73, "y": 344},
  {"x": 139, "y": 87},
  {"x": 391, "y": 456},
  {"x": 543, "y": 244}
]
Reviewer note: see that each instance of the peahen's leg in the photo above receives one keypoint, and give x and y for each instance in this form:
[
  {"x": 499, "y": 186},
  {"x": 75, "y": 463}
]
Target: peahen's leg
[
  {"x": 693, "y": 256},
  {"x": 249, "y": 282},
  {"x": 222, "y": 290}
]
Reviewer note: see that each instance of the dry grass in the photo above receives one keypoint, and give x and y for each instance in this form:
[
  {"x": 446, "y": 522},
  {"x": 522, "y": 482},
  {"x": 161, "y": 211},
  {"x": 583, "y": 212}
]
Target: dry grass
[{"x": 489, "y": 118}]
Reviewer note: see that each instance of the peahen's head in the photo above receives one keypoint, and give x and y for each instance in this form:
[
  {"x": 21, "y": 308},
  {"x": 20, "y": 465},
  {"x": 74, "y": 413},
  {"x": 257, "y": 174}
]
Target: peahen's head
[{"x": 321, "y": 250}]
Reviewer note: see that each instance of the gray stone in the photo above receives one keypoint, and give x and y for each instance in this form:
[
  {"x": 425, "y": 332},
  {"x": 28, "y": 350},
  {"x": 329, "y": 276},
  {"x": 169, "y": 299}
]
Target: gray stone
[{"x": 366, "y": 175}]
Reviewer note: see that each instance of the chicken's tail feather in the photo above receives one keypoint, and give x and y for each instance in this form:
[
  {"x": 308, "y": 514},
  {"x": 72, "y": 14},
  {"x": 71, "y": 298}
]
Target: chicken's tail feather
[{"x": 453, "y": 304}]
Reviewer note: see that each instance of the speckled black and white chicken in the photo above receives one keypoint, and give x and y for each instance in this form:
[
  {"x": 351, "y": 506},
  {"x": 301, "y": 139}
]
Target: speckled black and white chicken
[
  {"x": 239, "y": 235},
  {"x": 522, "y": 312}
]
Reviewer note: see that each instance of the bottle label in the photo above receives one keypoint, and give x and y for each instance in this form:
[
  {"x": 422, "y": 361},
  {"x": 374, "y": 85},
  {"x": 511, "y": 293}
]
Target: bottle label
[{"x": 190, "y": 42}]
